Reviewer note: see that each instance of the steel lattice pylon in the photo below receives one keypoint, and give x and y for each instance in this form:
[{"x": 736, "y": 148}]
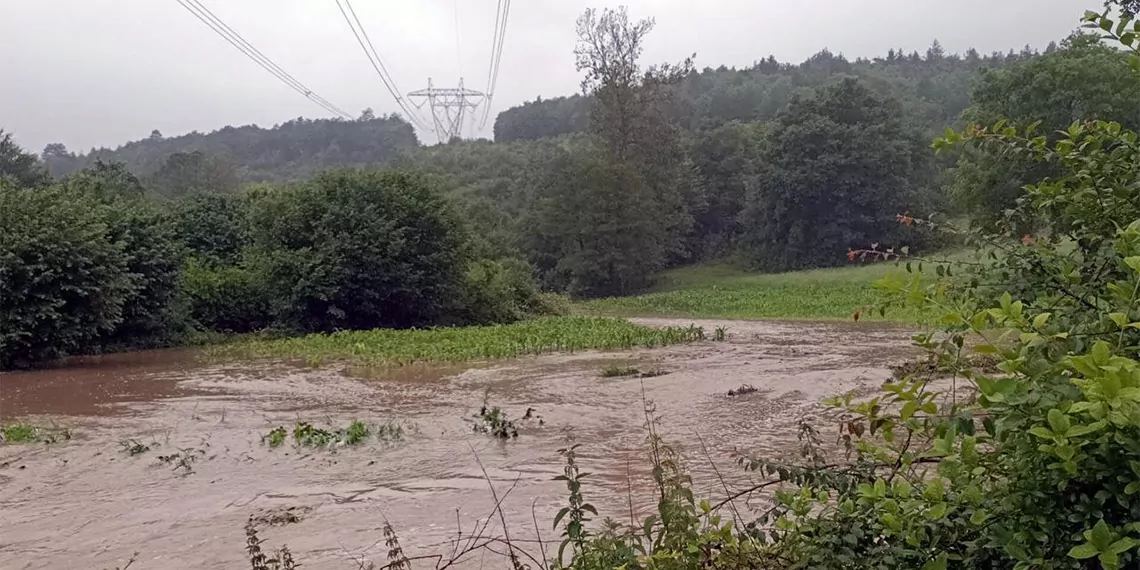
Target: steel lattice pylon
[{"x": 449, "y": 106}]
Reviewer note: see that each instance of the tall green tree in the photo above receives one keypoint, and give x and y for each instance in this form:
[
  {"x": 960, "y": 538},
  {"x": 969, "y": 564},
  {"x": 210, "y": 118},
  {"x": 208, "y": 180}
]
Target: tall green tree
[
  {"x": 636, "y": 180},
  {"x": 725, "y": 160},
  {"x": 185, "y": 173},
  {"x": 1083, "y": 80},
  {"x": 835, "y": 171},
  {"x": 21, "y": 168}
]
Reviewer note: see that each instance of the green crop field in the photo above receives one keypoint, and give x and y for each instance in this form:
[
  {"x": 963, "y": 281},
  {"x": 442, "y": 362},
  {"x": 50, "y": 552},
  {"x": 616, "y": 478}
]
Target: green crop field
[
  {"x": 722, "y": 291},
  {"x": 389, "y": 347}
]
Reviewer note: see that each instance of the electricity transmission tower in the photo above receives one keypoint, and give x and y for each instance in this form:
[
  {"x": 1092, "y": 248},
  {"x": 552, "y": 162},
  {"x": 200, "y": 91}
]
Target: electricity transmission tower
[{"x": 449, "y": 106}]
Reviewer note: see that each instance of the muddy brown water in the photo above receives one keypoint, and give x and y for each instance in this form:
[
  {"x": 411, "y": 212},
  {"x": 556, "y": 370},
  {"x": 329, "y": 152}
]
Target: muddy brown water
[{"x": 85, "y": 503}]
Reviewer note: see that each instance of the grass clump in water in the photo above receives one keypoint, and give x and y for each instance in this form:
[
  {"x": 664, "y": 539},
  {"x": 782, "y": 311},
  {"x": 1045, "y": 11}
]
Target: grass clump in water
[
  {"x": 134, "y": 447},
  {"x": 28, "y": 433},
  {"x": 617, "y": 370},
  {"x": 357, "y": 432},
  {"x": 390, "y": 347}
]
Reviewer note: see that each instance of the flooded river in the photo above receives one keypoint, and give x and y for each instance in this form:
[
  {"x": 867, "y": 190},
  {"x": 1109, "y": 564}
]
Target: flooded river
[{"x": 86, "y": 503}]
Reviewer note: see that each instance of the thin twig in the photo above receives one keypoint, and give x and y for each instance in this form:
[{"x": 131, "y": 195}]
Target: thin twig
[
  {"x": 495, "y": 495},
  {"x": 735, "y": 513},
  {"x": 538, "y": 533}
]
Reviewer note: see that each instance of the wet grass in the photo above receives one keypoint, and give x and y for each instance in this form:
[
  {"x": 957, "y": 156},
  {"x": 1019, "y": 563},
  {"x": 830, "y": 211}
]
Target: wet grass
[
  {"x": 28, "y": 433},
  {"x": 724, "y": 291},
  {"x": 388, "y": 347}
]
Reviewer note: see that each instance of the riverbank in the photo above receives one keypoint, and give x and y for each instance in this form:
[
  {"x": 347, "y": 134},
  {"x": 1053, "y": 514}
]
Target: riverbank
[{"x": 329, "y": 506}]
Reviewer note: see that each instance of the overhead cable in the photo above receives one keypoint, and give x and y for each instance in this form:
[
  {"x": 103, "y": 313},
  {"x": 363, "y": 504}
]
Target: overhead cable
[
  {"x": 502, "y": 12},
  {"x": 377, "y": 63},
  {"x": 235, "y": 39}
]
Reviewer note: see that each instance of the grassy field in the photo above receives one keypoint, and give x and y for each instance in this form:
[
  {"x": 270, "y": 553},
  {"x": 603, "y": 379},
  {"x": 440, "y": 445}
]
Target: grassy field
[
  {"x": 722, "y": 291},
  {"x": 389, "y": 347}
]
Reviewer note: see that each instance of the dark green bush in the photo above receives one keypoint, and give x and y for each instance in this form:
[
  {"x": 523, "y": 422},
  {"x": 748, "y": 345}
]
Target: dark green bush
[
  {"x": 357, "y": 250},
  {"x": 224, "y": 299},
  {"x": 212, "y": 225},
  {"x": 502, "y": 291},
  {"x": 64, "y": 283},
  {"x": 152, "y": 248}
]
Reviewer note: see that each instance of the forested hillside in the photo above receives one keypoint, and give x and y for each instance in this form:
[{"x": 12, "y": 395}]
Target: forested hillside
[
  {"x": 290, "y": 151},
  {"x": 933, "y": 89}
]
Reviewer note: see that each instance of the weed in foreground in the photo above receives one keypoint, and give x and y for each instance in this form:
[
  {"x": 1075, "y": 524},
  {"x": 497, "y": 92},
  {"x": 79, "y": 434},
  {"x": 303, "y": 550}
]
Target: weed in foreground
[
  {"x": 282, "y": 559},
  {"x": 27, "y": 433}
]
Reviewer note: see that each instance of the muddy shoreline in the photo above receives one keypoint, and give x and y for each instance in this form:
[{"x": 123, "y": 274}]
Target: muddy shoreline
[{"x": 86, "y": 503}]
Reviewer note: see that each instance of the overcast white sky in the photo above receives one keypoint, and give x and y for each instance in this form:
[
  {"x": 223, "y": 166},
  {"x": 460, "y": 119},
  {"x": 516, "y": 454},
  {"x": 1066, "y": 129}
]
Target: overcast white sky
[{"x": 102, "y": 72}]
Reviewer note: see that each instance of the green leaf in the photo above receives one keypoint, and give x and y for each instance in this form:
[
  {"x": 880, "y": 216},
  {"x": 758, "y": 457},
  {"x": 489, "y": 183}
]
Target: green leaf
[
  {"x": 936, "y": 564},
  {"x": 908, "y": 410},
  {"x": 561, "y": 513},
  {"x": 934, "y": 490},
  {"x": 1133, "y": 262},
  {"x": 1121, "y": 319},
  {"x": 1083, "y": 551},
  {"x": 1058, "y": 421},
  {"x": 1040, "y": 320},
  {"x": 1101, "y": 352},
  {"x": 978, "y": 517},
  {"x": 1100, "y": 536},
  {"x": 1109, "y": 560},
  {"x": 1123, "y": 545},
  {"x": 1042, "y": 432}
]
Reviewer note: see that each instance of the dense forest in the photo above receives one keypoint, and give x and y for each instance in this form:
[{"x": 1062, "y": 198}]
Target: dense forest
[{"x": 777, "y": 167}]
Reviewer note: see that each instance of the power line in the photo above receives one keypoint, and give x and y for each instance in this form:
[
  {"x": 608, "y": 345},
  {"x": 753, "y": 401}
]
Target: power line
[
  {"x": 458, "y": 54},
  {"x": 502, "y": 12},
  {"x": 235, "y": 39},
  {"x": 374, "y": 58}
]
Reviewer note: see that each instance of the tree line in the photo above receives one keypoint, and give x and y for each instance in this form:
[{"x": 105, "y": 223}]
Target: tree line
[
  {"x": 777, "y": 167},
  {"x": 100, "y": 261}
]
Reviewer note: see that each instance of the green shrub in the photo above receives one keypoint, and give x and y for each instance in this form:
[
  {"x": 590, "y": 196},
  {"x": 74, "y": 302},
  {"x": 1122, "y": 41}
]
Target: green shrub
[
  {"x": 503, "y": 291},
  {"x": 357, "y": 250},
  {"x": 63, "y": 282},
  {"x": 212, "y": 225},
  {"x": 154, "y": 255},
  {"x": 224, "y": 299}
]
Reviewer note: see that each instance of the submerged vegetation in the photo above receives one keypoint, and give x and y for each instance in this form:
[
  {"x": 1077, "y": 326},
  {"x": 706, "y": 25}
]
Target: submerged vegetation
[
  {"x": 356, "y": 432},
  {"x": 388, "y": 347},
  {"x": 28, "y": 433}
]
